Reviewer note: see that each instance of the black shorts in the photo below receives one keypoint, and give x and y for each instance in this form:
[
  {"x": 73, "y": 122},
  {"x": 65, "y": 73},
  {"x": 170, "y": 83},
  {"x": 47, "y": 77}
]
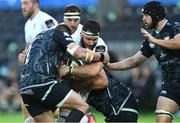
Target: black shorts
[
  {"x": 118, "y": 108},
  {"x": 171, "y": 91},
  {"x": 44, "y": 98},
  {"x": 128, "y": 113}
]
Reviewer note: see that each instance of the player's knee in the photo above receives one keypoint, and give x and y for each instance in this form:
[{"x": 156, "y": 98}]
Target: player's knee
[{"x": 163, "y": 116}]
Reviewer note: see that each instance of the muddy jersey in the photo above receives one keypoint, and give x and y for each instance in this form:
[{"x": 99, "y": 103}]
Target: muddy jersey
[
  {"x": 42, "y": 61},
  {"x": 168, "y": 59}
]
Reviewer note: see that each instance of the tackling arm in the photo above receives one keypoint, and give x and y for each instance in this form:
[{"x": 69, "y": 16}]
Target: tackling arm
[
  {"x": 86, "y": 54},
  {"x": 128, "y": 63},
  {"x": 91, "y": 76},
  {"x": 83, "y": 71}
]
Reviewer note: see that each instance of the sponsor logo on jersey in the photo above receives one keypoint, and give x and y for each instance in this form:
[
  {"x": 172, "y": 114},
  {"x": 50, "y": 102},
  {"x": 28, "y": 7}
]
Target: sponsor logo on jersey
[
  {"x": 49, "y": 23},
  {"x": 164, "y": 92},
  {"x": 151, "y": 45},
  {"x": 166, "y": 38}
]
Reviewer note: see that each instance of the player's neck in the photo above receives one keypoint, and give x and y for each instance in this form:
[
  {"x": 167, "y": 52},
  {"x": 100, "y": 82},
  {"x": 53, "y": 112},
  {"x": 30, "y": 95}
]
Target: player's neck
[
  {"x": 161, "y": 24},
  {"x": 35, "y": 13}
]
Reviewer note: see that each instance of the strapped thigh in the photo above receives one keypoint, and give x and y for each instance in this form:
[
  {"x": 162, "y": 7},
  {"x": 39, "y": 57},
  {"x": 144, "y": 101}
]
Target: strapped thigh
[{"x": 166, "y": 113}]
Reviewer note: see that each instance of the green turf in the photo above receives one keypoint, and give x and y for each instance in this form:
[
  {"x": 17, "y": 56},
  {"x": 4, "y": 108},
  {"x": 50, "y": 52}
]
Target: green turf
[{"x": 143, "y": 117}]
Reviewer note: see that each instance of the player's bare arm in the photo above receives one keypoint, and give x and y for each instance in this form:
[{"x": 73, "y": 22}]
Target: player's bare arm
[
  {"x": 128, "y": 63},
  {"x": 83, "y": 71},
  {"x": 173, "y": 43},
  {"x": 86, "y": 54},
  {"x": 90, "y": 76},
  {"x": 89, "y": 55}
]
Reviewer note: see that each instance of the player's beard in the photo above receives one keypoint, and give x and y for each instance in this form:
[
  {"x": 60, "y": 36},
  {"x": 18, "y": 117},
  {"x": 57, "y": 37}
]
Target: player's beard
[
  {"x": 29, "y": 13},
  {"x": 149, "y": 26}
]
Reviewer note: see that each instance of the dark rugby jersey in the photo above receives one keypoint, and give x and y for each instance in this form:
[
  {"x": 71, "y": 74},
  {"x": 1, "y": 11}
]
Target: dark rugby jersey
[
  {"x": 168, "y": 59},
  {"x": 43, "y": 59}
]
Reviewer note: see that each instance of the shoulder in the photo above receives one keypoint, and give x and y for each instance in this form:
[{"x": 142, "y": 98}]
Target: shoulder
[
  {"x": 173, "y": 27},
  {"x": 48, "y": 20},
  {"x": 100, "y": 46},
  {"x": 101, "y": 41},
  {"x": 45, "y": 15},
  {"x": 176, "y": 26},
  {"x": 79, "y": 29}
]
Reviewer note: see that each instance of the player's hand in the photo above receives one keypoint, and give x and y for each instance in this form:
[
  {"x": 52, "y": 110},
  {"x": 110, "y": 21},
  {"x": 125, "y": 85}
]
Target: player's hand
[
  {"x": 21, "y": 57},
  {"x": 63, "y": 70},
  {"x": 147, "y": 35},
  {"x": 106, "y": 58}
]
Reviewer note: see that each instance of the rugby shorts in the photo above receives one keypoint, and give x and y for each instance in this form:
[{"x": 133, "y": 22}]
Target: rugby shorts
[{"x": 41, "y": 99}]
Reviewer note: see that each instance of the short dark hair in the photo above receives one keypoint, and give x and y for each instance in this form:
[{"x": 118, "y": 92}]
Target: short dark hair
[
  {"x": 63, "y": 27},
  {"x": 72, "y": 8},
  {"x": 91, "y": 26}
]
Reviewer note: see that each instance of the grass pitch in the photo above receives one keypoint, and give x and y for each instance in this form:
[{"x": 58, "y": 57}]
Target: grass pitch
[{"x": 143, "y": 117}]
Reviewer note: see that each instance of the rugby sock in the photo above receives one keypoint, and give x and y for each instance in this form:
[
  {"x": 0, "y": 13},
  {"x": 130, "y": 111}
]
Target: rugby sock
[
  {"x": 28, "y": 120},
  {"x": 74, "y": 116},
  {"x": 84, "y": 119}
]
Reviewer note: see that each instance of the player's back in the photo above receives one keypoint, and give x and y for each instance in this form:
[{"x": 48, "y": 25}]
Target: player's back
[{"x": 43, "y": 58}]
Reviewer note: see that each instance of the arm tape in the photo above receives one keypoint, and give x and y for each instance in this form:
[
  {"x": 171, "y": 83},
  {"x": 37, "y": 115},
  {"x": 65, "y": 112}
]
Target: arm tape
[
  {"x": 89, "y": 55},
  {"x": 71, "y": 48}
]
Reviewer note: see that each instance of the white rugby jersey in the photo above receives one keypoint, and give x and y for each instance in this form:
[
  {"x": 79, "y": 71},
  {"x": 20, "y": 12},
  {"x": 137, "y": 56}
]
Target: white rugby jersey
[
  {"x": 76, "y": 35},
  {"x": 100, "y": 42},
  {"x": 41, "y": 22}
]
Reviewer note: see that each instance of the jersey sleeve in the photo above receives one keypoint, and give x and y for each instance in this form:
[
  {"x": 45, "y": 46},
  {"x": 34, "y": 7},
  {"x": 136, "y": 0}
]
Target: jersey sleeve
[
  {"x": 176, "y": 28},
  {"x": 101, "y": 46},
  {"x": 146, "y": 50},
  {"x": 62, "y": 38},
  {"x": 50, "y": 23}
]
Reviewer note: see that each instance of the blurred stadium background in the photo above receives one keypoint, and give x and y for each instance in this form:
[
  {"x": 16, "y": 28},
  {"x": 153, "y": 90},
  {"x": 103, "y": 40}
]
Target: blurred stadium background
[{"x": 120, "y": 21}]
